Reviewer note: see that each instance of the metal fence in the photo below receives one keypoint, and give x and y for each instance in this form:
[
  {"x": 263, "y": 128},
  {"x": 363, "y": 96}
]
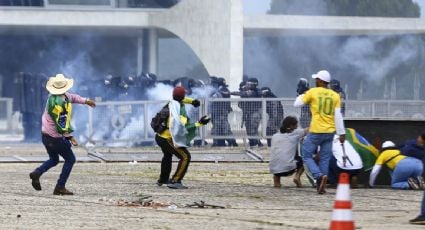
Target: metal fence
[
  {"x": 6, "y": 110},
  {"x": 128, "y": 123}
]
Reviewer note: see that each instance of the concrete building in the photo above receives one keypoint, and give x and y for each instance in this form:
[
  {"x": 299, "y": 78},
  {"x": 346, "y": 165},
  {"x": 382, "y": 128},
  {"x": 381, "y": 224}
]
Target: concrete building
[{"x": 213, "y": 29}]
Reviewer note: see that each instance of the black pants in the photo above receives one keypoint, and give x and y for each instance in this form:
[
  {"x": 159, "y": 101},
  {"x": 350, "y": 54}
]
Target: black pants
[
  {"x": 334, "y": 171},
  {"x": 169, "y": 150}
]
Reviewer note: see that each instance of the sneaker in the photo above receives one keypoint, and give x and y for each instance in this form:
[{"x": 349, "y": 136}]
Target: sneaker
[
  {"x": 176, "y": 185},
  {"x": 420, "y": 220},
  {"x": 413, "y": 183},
  {"x": 62, "y": 191},
  {"x": 421, "y": 182},
  {"x": 321, "y": 184},
  {"x": 35, "y": 177}
]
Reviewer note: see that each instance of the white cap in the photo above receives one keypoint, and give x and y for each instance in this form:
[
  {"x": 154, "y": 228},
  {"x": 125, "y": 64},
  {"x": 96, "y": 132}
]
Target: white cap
[
  {"x": 322, "y": 75},
  {"x": 387, "y": 144}
]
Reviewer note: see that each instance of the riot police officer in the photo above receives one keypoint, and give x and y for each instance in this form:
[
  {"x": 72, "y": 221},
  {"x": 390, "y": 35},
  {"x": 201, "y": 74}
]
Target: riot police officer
[
  {"x": 31, "y": 104},
  {"x": 251, "y": 110},
  {"x": 185, "y": 82},
  {"x": 220, "y": 112},
  {"x": 275, "y": 111},
  {"x": 305, "y": 116}
]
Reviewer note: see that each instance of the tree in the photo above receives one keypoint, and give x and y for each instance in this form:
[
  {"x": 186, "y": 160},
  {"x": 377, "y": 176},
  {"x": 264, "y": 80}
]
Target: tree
[{"x": 367, "y": 8}]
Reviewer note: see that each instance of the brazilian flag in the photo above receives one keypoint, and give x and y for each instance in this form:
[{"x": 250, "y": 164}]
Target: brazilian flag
[
  {"x": 367, "y": 152},
  {"x": 60, "y": 111}
]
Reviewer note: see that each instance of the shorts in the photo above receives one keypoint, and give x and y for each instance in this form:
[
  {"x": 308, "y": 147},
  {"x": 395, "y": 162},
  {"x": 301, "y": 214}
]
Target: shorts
[{"x": 290, "y": 173}]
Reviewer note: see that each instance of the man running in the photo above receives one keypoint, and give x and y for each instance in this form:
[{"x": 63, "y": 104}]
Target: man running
[{"x": 325, "y": 106}]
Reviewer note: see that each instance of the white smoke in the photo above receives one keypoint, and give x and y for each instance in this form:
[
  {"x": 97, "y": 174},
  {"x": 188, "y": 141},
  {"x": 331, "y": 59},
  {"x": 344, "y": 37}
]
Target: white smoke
[
  {"x": 349, "y": 59},
  {"x": 360, "y": 53}
]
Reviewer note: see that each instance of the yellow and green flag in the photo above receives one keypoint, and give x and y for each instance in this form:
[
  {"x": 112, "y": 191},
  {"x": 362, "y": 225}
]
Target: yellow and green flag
[{"x": 367, "y": 152}]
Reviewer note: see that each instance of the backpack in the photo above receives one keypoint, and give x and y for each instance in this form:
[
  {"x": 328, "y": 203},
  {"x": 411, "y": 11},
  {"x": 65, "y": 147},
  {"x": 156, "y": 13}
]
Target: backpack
[{"x": 159, "y": 121}]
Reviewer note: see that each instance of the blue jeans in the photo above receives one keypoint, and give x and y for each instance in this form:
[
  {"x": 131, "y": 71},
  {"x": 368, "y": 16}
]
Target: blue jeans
[
  {"x": 56, "y": 147},
  {"x": 408, "y": 167},
  {"x": 310, "y": 145}
]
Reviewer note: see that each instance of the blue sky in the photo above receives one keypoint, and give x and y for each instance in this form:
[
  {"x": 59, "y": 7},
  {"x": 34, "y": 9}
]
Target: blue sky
[
  {"x": 256, "y": 6},
  {"x": 261, "y": 6}
]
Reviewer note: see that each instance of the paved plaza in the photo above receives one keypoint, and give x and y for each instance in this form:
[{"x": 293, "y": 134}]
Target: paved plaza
[{"x": 112, "y": 195}]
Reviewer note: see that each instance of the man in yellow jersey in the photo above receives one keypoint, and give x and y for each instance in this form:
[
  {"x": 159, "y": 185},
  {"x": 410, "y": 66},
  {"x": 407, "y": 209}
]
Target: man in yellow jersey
[
  {"x": 175, "y": 139},
  {"x": 406, "y": 172},
  {"x": 325, "y": 106}
]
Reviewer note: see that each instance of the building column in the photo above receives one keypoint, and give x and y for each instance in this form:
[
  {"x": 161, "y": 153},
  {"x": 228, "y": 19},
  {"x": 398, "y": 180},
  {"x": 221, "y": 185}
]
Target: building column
[
  {"x": 149, "y": 52},
  {"x": 140, "y": 53},
  {"x": 153, "y": 51}
]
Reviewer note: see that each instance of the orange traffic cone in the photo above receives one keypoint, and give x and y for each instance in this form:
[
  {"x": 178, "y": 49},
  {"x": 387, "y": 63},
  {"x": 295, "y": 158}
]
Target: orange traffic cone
[{"x": 342, "y": 217}]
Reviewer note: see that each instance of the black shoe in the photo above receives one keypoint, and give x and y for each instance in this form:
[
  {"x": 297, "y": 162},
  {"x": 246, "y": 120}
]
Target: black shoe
[
  {"x": 321, "y": 184},
  {"x": 62, "y": 191},
  {"x": 420, "y": 220},
  {"x": 35, "y": 177},
  {"x": 160, "y": 183}
]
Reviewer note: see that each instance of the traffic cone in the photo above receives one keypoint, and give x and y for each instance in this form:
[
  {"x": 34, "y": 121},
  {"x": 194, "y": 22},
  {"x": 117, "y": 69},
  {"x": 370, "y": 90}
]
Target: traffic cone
[{"x": 342, "y": 216}]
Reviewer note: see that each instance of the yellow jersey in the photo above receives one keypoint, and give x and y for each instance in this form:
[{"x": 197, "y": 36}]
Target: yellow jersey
[
  {"x": 323, "y": 103},
  {"x": 390, "y": 158}
]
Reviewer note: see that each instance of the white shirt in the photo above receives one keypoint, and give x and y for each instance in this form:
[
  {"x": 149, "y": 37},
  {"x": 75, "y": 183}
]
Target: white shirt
[{"x": 350, "y": 152}]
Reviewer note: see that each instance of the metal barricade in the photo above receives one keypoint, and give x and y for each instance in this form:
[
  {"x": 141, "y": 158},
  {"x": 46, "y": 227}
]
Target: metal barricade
[
  {"x": 252, "y": 118},
  {"x": 6, "y": 110},
  {"x": 127, "y": 123}
]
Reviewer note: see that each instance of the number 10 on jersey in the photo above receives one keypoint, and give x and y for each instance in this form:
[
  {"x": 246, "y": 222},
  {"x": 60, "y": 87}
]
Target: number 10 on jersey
[{"x": 326, "y": 105}]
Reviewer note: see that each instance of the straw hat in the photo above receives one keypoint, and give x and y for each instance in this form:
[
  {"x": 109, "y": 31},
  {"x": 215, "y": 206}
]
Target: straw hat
[{"x": 59, "y": 85}]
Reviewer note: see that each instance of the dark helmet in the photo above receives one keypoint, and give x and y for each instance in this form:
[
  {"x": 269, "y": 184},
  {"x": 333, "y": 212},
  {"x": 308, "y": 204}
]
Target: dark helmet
[
  {"x": 108, "y": 79},
  {"x": 335, "y": 85},
  {"x": 242, "y": 85},
  {"x": 253, "y": 80},
  {"x": 266, "y": 92},
  {"x": 302, "y": 86},
  {"x": 213, "y": 81},
  {"x": 130, "y": 80},
  {"x": 152, "y": 77},
  {"x": 252, "y": 83},
  {"x": 121, "y": 82},
  {"x": 222, "y": 82}
]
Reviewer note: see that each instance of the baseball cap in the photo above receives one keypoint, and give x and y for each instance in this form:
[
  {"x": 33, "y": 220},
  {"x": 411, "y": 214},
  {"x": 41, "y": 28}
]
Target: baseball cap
[
  {"x": 179, "y": 93},
  {"x": 323, "y": 75},
  {"x": 388, "y": 144}
]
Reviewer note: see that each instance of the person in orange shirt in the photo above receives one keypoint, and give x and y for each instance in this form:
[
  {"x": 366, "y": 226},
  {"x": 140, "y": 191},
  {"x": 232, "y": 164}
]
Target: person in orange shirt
[{"x": 325, "y": 106}]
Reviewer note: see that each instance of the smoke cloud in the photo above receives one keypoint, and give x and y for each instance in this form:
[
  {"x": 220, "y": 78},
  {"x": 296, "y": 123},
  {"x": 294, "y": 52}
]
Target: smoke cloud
[{"x": 280, "y": 62}]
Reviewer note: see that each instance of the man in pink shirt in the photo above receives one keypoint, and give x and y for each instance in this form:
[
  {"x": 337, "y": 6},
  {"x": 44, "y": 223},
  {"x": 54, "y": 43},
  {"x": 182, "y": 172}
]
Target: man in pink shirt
[{"x": 56, "y": 131}]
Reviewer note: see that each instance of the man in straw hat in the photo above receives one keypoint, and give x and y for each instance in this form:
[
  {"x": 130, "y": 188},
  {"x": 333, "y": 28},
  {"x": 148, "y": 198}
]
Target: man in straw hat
[{"x": 56, "y": 131}]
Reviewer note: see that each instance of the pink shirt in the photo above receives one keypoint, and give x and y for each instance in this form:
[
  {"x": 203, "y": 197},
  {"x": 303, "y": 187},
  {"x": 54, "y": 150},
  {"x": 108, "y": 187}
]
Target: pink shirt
[{"x": 48, "y": 125}]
